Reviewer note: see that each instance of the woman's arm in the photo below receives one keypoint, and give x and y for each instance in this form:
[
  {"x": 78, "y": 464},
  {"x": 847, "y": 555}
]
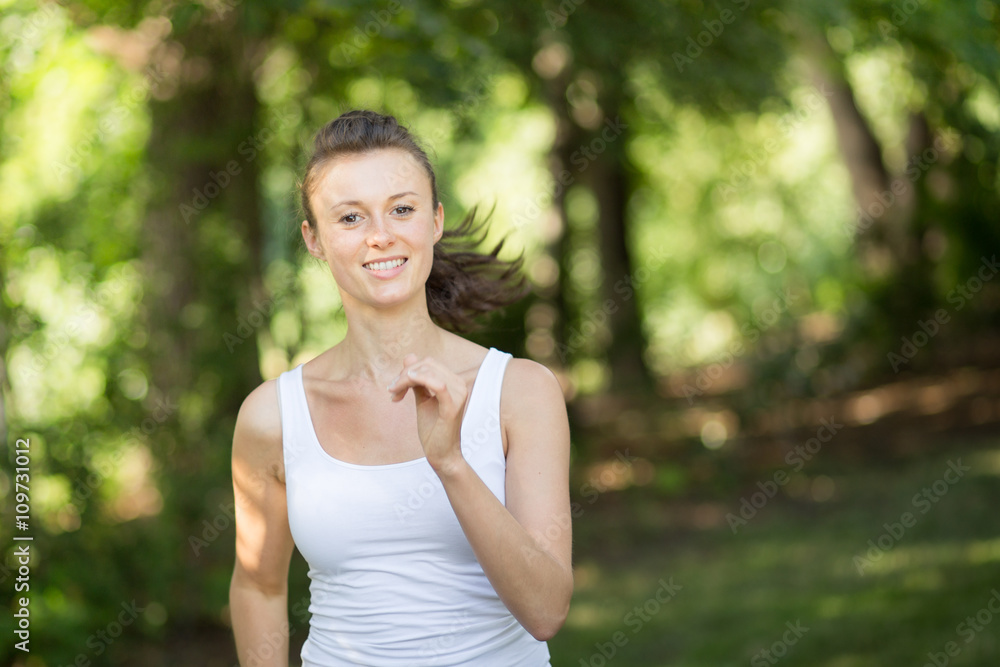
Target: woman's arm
[
  {"x": 258, "y": 594},
  {"x": 524, "y": 548}
]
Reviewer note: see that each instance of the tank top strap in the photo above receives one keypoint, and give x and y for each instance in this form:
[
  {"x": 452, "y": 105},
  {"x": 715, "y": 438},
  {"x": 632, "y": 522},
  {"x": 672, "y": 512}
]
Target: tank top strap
[
  {"x": 295, "y": 419},
  {"x": 481, "y": 438},
  {"x": 490, "y": 399}
]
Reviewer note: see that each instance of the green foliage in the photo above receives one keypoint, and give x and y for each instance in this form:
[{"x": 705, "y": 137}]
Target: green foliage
[{"x": 139, "y": 309}]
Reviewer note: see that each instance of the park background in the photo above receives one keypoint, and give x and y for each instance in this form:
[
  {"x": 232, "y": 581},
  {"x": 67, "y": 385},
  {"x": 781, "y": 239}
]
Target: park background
[{"x": 761, "y": 239}]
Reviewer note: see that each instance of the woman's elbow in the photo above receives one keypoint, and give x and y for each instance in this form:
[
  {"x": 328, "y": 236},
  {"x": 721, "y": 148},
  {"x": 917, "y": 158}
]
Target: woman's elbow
[
  {"x": 546, "y": 628},
  {"x": 552, "y": 620}
]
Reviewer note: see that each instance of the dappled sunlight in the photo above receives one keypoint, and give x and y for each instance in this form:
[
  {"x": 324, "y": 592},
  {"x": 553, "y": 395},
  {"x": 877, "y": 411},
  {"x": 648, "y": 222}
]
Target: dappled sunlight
[
  {"x": 904, "y": 557},
  {"x": 132, "y": 492},
  {"x": 618, "y": 474},
  {"x": 985, "y": 462},
  {"x": 55, "y": 369},
  {"x": 982, "y": 551},
  {"x": 926, "y": 396},
  {"x": 588, "y": 615}
]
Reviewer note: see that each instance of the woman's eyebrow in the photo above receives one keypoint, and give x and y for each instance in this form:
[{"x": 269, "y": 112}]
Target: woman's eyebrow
[{"x": 355, "y": 202}]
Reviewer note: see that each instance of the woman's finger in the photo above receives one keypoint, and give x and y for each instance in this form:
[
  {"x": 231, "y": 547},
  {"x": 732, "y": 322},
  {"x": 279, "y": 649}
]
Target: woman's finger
[
  {"x": 411, "y": 377},
  {"x": 423, "y": 377}
]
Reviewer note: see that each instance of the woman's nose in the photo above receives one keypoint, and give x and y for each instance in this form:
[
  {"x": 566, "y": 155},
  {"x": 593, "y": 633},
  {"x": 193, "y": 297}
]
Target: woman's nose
[{"x": 380, "y": 233}]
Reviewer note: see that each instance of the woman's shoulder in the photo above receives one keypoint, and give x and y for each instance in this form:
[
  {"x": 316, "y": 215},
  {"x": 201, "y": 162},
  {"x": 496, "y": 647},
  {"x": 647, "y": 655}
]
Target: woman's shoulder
[
  {"x": 529, "y": 374},
  {"x": 529, "y": 385},
  {"x": 532, "y": 402},
  {"x": 258, "y": 423}
]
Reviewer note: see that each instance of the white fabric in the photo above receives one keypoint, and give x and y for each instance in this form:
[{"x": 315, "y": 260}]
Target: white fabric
[{"x": 393, "y": 579}]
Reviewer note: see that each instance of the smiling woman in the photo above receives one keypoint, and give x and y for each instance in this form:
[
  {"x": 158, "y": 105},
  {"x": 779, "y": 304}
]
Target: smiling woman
[
  {"x": 437, "y": 528},
  {"x": 462, "y": 283}
]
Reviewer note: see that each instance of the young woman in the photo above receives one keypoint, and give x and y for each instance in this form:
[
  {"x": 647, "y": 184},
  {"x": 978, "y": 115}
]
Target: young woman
[{"x": 423, "y": 477}]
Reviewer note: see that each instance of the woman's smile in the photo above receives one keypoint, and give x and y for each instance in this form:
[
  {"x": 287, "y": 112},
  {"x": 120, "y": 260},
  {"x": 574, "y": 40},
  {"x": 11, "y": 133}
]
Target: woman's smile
[{"x": 385, "y": 268}]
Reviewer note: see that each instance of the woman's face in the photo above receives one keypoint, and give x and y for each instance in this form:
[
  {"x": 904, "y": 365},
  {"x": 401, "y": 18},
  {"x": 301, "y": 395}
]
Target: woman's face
[{"x": 376, "y": 226}]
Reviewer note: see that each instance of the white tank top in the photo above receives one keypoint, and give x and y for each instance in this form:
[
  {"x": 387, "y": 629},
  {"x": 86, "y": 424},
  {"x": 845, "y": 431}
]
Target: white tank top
[{"x": 393, "y": 579}]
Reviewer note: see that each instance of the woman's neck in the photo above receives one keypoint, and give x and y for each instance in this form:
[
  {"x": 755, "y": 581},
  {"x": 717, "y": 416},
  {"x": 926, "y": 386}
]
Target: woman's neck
[{"x": 378, "y": 340}]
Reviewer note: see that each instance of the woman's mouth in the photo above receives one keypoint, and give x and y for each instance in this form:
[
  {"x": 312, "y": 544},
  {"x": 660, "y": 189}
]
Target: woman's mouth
[{"x": 385, "y": 268}]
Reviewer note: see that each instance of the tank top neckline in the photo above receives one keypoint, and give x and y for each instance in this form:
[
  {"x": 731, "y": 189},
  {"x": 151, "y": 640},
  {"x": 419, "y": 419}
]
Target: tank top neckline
[{"x": 314, "y": 436}]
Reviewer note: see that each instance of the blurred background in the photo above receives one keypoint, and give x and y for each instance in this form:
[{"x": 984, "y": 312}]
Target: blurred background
[{"x": 762, "y": 239}]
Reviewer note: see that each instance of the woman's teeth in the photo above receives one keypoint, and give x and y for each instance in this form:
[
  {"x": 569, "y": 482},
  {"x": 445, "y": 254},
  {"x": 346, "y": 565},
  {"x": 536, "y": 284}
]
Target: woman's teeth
[{"x": 384, "y": 266}]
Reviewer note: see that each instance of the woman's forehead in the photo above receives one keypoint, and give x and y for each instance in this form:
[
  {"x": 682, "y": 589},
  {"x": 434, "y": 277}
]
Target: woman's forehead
[{"x": 374, "y": 175}]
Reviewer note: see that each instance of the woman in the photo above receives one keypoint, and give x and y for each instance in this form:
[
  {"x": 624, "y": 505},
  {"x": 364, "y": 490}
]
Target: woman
[{"x": 423, "y": 477}]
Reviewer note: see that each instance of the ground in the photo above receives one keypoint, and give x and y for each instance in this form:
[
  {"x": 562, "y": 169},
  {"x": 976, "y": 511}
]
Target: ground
[
  {"x": 845, "y": 566},
  {"x": 799, "y": 583}
]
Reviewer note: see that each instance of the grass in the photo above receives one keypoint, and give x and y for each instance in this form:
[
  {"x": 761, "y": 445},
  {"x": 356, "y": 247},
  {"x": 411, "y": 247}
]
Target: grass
[{"x": 794, "y": 563}]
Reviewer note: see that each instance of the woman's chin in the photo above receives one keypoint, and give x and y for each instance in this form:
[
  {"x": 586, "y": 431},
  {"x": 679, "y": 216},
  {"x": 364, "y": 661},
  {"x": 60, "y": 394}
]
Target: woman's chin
[{"x": 383, "y": 299}]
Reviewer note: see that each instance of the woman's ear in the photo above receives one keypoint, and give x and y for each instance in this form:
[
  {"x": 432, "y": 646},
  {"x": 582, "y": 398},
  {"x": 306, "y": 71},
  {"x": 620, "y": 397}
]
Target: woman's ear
[
  {"x": 312, "y": 241},
  {"x": 438, "y": 222}
]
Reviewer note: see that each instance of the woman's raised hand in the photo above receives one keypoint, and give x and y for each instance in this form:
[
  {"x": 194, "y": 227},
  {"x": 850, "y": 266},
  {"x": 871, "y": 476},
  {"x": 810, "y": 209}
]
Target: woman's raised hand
[{"x": 440, "y": 395}]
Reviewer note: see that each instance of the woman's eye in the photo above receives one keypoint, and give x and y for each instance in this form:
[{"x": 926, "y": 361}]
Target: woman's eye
[
  {"x": 403, "y": 209},
  {"x": 350, "y": 218}
]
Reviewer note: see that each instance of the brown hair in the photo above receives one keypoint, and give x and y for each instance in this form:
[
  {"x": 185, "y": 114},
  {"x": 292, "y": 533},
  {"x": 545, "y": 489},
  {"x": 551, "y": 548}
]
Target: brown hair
[{"x": 463, "y": 283}]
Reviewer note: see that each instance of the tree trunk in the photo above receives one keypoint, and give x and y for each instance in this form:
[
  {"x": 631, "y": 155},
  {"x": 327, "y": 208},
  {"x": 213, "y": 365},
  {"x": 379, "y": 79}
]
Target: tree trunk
[
  {"x": 201, "y": 253},
  {"x": 202, "y": 235},
  {"x": 567, "y": 137},
  {"x": 608, "y": 179}
]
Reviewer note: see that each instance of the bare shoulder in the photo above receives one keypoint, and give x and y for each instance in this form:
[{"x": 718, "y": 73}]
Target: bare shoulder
[
  {"x": 257, "y": 435},
  {"x": 529, "y": 387},
  {"x": 530, "y": 372}
]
